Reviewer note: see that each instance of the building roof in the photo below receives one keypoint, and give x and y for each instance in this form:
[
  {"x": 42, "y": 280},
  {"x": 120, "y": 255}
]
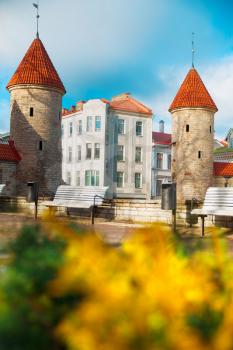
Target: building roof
[
  {"x": 127, "y": 103},
  {"x": 161, "y": 138},
  {"x": 224, "y": 143},
  {"x": 223, "y": 169},
  {"x": 124, "y": 102},
  {"x": 36, "y": 68},
  {"x": 193, "y": 94},
  {"x": 8, "y": 152}
]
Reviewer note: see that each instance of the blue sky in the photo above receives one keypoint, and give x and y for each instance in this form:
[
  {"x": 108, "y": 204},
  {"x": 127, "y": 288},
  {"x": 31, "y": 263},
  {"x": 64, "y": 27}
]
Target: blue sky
[{"x": 105, "y": 47}]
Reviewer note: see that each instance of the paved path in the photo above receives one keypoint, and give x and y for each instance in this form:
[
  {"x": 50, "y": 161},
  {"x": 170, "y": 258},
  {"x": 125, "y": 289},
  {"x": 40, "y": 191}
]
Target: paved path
[{"x": 111, "y": 232}]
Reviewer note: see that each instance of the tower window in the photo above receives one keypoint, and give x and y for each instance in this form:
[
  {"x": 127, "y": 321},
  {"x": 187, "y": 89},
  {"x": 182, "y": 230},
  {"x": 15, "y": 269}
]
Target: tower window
[
  {"x": 40, "y": 145},
  {"x": 31, "y": 112},
  {"x": 210, "y": 129},
  {"x": 187, "y": 128},
  {"x": 199, "y": 154}
]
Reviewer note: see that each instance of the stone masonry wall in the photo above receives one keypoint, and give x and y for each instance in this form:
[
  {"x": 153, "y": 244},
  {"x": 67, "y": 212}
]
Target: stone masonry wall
[
  {"x": 192, "y": 174},
  {"x": 142, "y": 211},
  {"x": 8, "y": 172},
  {"x": 220, "y": 181},
  {"x": 27, "y": 131}
]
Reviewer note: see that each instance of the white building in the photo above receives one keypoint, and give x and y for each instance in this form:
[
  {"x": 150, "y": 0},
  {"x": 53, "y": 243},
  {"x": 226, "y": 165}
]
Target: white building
[
  {"x": 108, "y": 143},
  {"x": 161, "y": 160}
]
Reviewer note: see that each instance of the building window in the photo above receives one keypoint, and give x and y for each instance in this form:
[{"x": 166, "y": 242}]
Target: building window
[
  {"x": 78, "y": 178},
  {"x": 92, "y": 178},
  {"x": 187, "y": 128},
  {"x": 138, "y": 155},
  {"x": 1, "y": 176},
  {"x": 97, "y": 151},
  {"x": 199, "y": 154},
  {"x": 120, "y": 153},
  {"x": 89, "y": 123},
  {"x": 71, "y": 129},
  {"x": 68, "y": 177},
  {"x": 121, "y": 126},
  {"x": 97, "y": 123},
  {"x": 169, "y": 161},
  {"x": 158, "y": 188},
  {"x": 62, "y": 130},
  {"x": 138, "y": 180},
  {"x": 210, "y": 129},
  {"x": 88, "y": 151},
  {"x": 79, "y": 153},
  {"x": 139, "y": 128},
  {"x": 79, "y": 127},
  {"x": 69, "y": 154},
  {"x": 31, "y": 112},
  {"x": 159, "y": 162},
  {"x": 40, "y": 145},
  {"x": 120, "y": 179}
]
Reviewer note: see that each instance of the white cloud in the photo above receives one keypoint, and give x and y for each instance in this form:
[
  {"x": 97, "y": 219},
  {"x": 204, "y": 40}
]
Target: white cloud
[
  {"x": 217, "y": 77},
  {"x": 77, "y": 33},
  {"x": 219, "y": 80}
]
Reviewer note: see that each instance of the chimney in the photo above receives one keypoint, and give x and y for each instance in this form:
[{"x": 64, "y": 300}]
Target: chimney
[
  {"x": 79, "y": 105},
  {"x": 161, "y": 126}
]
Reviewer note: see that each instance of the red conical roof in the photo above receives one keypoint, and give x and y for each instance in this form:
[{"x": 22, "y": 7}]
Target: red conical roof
[
  {"x": 193, "y": 94},
  {"x": 36, "y": 68}
]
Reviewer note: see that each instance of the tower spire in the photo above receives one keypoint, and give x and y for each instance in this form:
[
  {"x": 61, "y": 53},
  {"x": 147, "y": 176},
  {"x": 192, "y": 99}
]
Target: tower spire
[
  {"x": 37, "y": 18},
  {"x": 193, "y": 49}
]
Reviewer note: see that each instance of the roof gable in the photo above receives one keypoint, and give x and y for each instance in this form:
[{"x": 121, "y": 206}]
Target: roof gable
[
  {"x": 36, "y": 68},
  {"x": 193, "y": 94}
]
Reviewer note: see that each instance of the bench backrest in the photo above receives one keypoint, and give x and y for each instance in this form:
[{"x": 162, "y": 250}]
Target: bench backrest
[
  {"x": 2, "y": 189},
  {"x": 219, "y": 197},
  {"x": 77, "y": 194}
]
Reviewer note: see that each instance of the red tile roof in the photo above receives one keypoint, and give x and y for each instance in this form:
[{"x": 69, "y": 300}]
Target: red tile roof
[
  {"x": 223, "y": 169},
  {"x": 193, "y": 93},
  {"x": 161, "y": 138},
  {"x": 127, "y": 103},
  {"x": 224, "y": 143},
  {"x": 124, "y": 102},
  {"x": 8, "y": 152},
  {"x": 36, "y": 68}
]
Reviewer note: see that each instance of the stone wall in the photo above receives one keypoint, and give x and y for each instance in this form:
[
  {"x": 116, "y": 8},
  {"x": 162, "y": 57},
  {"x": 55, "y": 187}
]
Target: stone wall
[
  {"x": 43, "y": 166},
  {"x": 8, "y": 175},
  {"x": 220, "y": 181},
  {"x": 140, "y": 211}
]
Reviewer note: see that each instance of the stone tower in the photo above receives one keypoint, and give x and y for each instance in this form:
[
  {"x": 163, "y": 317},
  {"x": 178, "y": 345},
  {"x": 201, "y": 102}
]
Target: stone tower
[
  {"x": 35, "y": 127},
  {"x": 192, "y": 113}
]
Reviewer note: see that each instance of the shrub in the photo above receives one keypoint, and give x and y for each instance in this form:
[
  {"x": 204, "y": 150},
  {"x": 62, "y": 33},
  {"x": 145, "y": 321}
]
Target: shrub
[{"x": 65, "y": 289}]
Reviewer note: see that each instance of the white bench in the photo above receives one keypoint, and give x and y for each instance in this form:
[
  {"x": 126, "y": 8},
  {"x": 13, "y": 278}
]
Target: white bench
[
  {"x": 218, "y": 202},
  {"x": 2, "y": 189},
  {"x": 78, "y": 197}
]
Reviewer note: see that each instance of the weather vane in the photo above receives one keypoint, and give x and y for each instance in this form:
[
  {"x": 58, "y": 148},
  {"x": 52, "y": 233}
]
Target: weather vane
[
  {"x": 193, "y": 49},
  {"x": 37, "y": 18}
]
